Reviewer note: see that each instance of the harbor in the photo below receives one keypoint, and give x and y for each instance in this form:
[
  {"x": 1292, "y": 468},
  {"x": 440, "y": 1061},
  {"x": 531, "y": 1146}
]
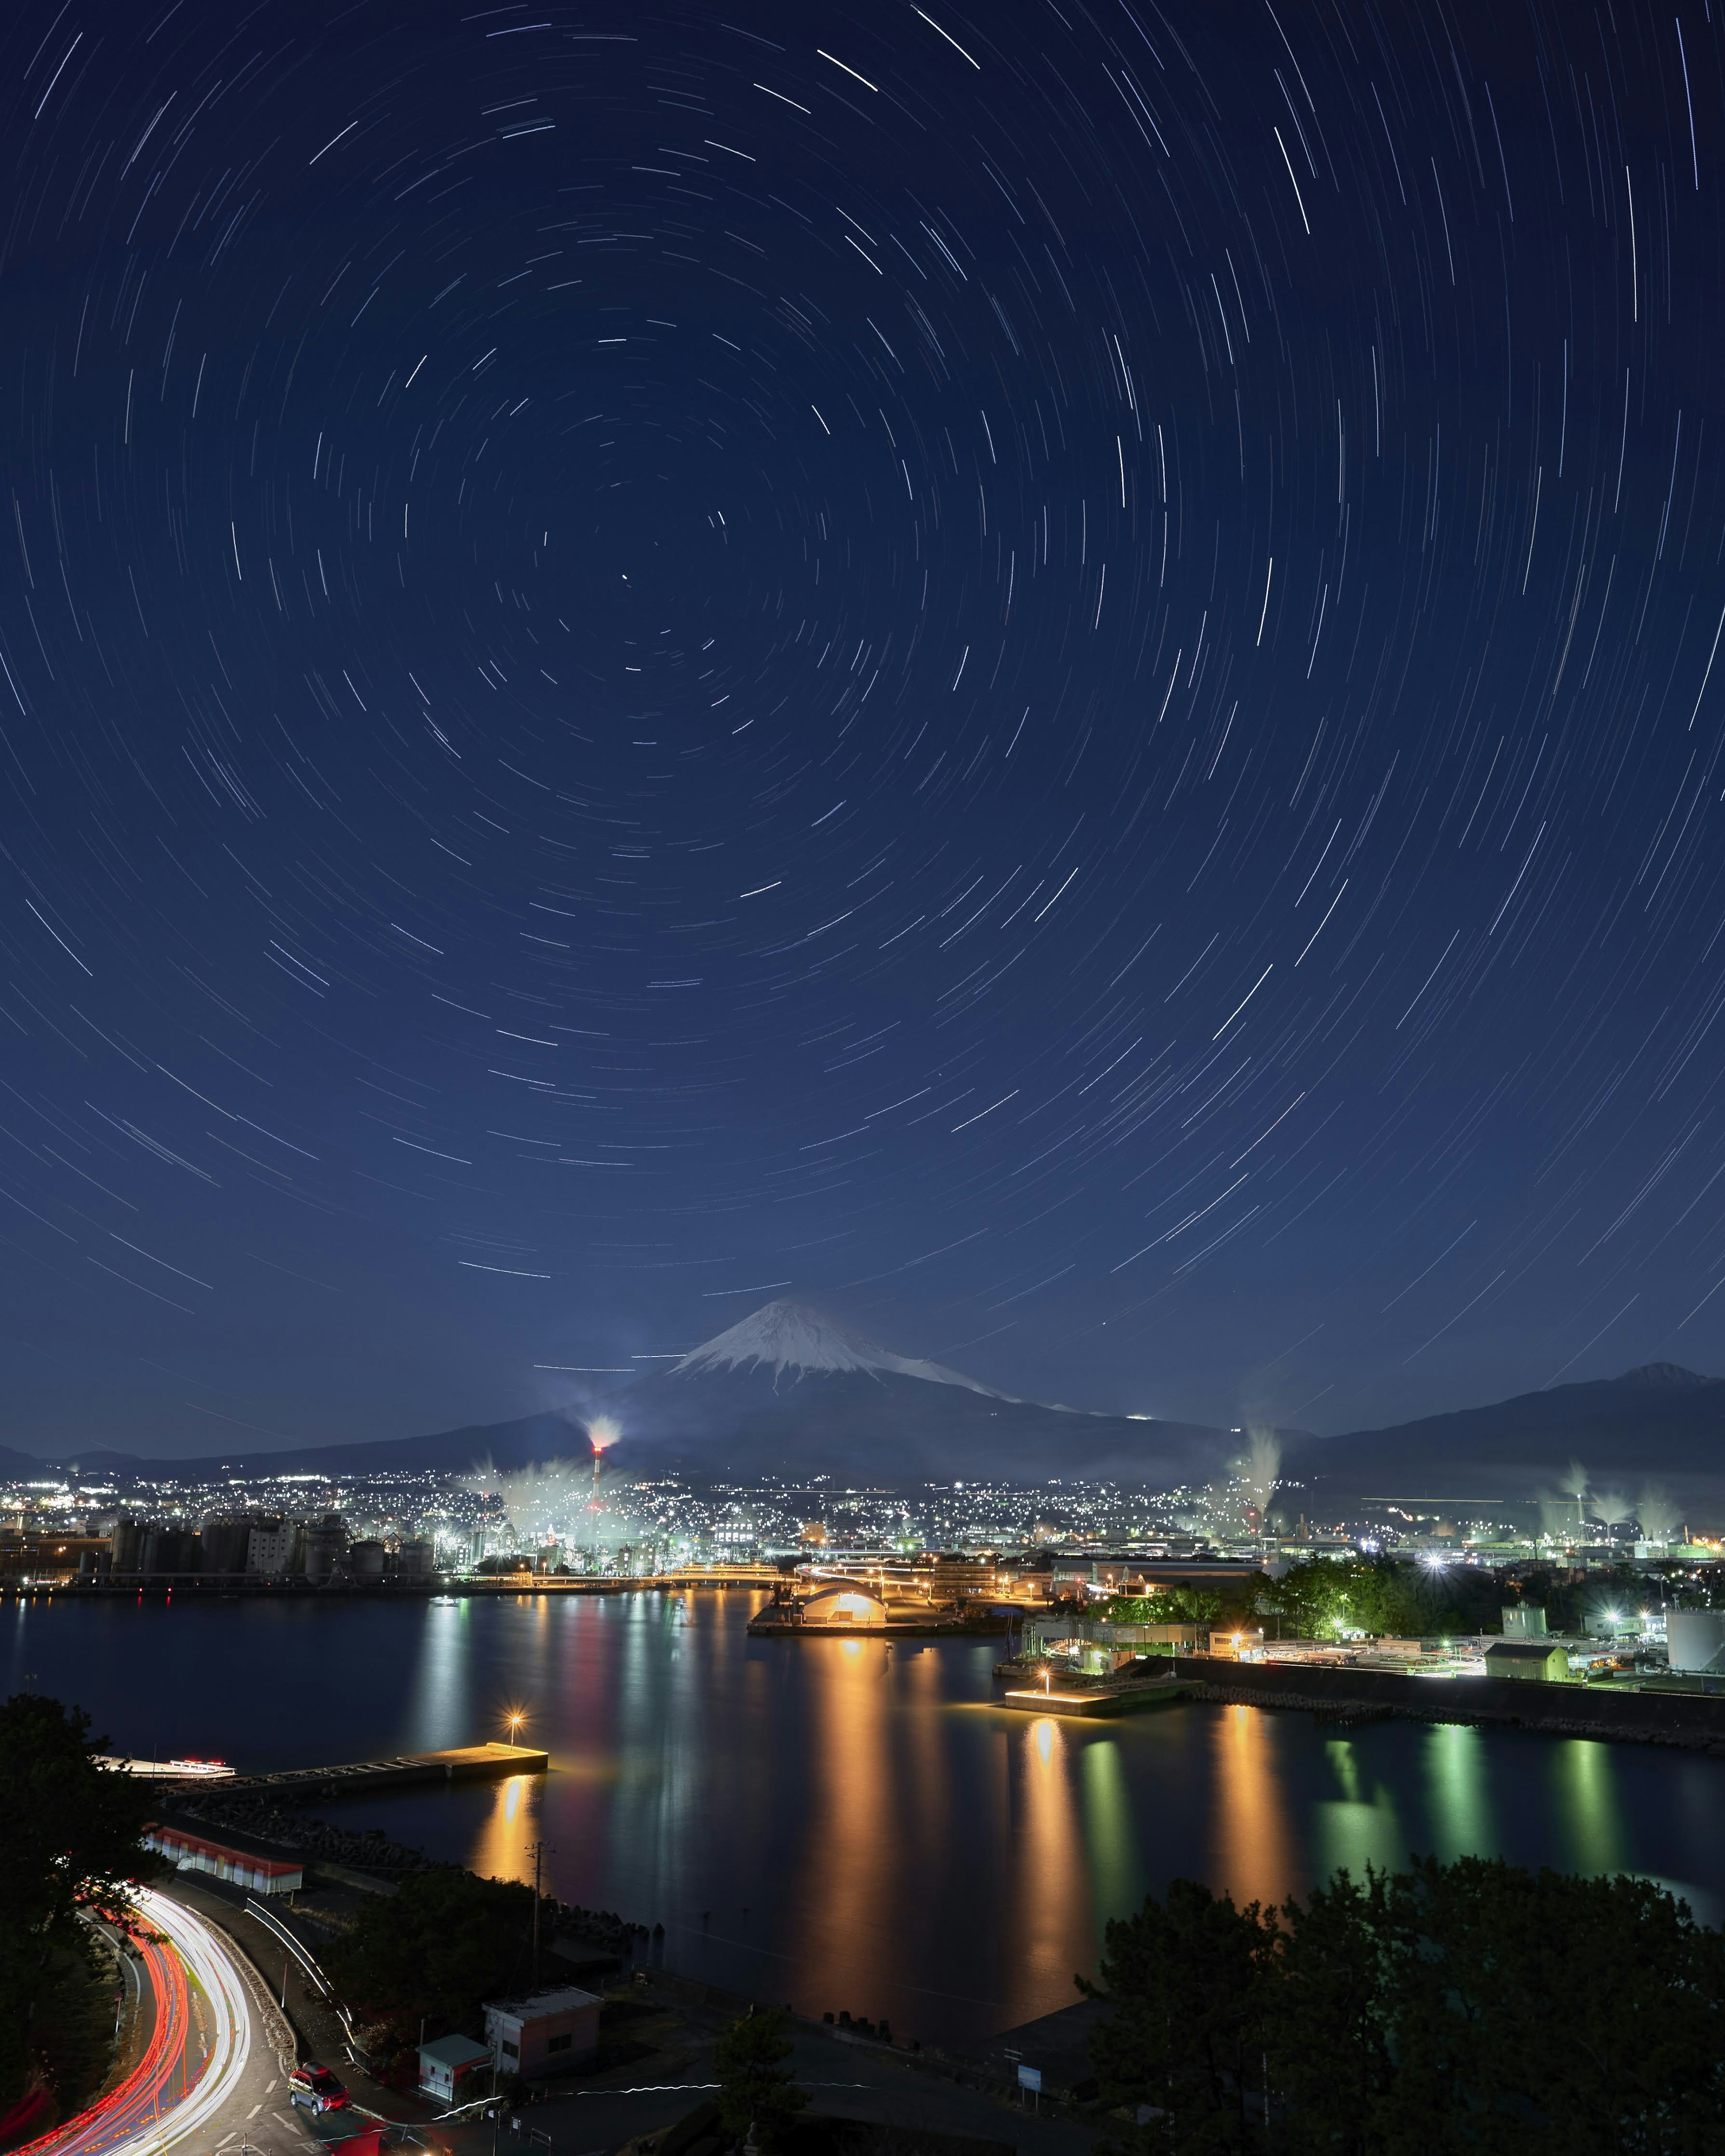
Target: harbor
[{"x": 865, "y": 1826}]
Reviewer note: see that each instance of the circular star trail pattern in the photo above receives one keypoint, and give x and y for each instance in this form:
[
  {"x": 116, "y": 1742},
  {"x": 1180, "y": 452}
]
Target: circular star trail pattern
[{"x": 1050, "y": 675}]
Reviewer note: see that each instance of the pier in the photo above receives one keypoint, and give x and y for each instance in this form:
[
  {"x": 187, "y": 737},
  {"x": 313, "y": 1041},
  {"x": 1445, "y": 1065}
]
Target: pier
[
  {"x": 464, "y": 1762},
  {"x": 1101, "y": 1700}
]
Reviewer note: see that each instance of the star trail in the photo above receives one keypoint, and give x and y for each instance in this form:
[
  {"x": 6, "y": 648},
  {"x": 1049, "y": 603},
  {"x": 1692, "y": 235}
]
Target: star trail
[{"x": 1047, "y": 675}]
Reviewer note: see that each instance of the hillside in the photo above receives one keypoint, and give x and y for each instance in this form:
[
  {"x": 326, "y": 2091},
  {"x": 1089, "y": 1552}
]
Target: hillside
[{"x": 1660, "y": 1423}]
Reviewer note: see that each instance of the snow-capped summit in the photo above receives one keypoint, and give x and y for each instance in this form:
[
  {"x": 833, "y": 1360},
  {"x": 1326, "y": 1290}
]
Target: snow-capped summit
[{"x": 789, "y": 1336}]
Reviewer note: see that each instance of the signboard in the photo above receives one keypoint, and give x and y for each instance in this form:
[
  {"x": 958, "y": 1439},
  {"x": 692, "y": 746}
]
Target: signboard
[{"x": 1030, "y": 2077}]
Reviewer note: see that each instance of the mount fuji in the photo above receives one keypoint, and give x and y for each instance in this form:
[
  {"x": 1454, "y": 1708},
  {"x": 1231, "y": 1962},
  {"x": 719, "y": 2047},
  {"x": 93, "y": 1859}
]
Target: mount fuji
[
  {"x": 791, "y": 1390},
  {"x": 789, "y": 1336}
]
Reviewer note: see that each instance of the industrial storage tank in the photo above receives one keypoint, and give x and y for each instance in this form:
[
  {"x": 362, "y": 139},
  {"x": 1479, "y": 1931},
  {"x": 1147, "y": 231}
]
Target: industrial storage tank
[
  {"x": 368, "y": 1560},
  {"x": 1695, "y": 1641}
]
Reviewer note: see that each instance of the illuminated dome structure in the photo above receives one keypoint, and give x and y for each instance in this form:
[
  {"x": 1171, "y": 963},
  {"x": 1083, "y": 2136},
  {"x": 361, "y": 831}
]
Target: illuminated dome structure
[{"x": 844, "y": 1605}]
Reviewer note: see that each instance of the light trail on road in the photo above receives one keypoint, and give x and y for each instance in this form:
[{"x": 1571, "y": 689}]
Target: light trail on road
[{"x": 131, "y": 2120}]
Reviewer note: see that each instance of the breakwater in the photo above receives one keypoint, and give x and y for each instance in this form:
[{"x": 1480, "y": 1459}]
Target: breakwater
[
  {"x": 361, "y": 1778},
  {"x": 1691, "y": 1721}
]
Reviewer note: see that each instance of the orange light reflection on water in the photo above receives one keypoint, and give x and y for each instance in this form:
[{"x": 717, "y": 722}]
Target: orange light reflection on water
[
  {"x": 1049, "y": 1923},
  {"x": 846, "y": 1907},
  {"x": 1254, "y": 1855},
  {"x": 504, "y": 1849}
]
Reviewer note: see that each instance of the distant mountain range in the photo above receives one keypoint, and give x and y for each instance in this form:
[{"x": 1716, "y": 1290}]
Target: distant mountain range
[
  {"x": 786, "y": 1391},
  {"x": 792, "y": 1391},
  {"x": 1660, "y": 1424}
]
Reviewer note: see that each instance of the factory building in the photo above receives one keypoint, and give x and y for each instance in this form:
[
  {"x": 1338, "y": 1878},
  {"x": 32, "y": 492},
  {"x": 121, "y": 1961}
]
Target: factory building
[{"x": 1544, "y": 1661}]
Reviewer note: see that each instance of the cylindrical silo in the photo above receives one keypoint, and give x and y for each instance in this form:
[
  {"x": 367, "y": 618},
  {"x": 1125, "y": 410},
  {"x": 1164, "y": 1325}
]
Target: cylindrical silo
[{"x": 1695, "y": 1641}]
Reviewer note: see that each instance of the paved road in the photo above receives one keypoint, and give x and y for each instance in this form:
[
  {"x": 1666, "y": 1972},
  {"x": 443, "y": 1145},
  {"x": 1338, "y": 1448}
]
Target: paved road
[
  {"x": 843, "y": 2081},
  {"x": 209, "y": 2077}
]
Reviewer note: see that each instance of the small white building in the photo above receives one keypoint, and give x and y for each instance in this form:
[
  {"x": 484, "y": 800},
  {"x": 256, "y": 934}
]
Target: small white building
[
  {"x": 543, "y": 2035},
  {"x": 447, "y": 2068}
]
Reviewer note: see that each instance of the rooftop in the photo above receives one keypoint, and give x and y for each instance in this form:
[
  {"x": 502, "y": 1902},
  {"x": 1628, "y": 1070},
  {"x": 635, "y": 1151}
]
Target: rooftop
[
  {"x": 538, "y": 2003},
  {"x": 455, "y": 2051}
]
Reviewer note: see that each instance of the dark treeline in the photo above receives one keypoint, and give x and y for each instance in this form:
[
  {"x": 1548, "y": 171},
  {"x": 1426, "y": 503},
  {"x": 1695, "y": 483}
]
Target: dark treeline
[
  {"x": 1468, "y": 2006},
  {"x": 1325, "y": 1596},
  {"x": 70, "y": 1852}
]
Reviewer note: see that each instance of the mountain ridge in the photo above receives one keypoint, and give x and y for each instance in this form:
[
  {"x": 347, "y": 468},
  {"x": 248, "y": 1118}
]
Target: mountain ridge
[
  {"x": 793, "y": 1390},
  {"x": 1657, "y": 1420}
]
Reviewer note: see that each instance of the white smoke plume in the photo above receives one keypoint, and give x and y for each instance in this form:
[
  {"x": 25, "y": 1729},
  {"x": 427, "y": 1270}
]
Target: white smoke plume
[
  {"x": 1261, "y": 1468},
  {"x": 1658, "y": 1513},
  {"x": 542, "y": 1503},
  {"x": 1557, "y": 1518}
]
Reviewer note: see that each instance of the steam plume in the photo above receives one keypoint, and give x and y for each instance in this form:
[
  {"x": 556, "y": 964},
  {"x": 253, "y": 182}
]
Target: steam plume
[{"x": 1658, "y": 1513}]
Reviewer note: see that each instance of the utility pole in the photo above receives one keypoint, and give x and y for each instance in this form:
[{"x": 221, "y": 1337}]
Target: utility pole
[{"x": 538, "y": 1853}]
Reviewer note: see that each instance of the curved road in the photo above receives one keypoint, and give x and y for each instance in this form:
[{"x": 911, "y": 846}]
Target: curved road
[{"x": 201, "y": 2063}]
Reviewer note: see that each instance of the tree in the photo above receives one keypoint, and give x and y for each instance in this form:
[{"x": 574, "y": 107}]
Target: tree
[
  {"x": 1189, "y": 1980},
  {"x": 1466, "y": 2007},
  {"x": 71, "y": 1832},
  {"x": 434, "y": 1950},
  {"x": 1167, "y": 1605},
  {"x": 1336, "y": 2020},
  {"x": 756, "y": 2089}
]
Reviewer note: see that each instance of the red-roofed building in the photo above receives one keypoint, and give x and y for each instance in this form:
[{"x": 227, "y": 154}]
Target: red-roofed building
[{"x": 244, "y": 1867}]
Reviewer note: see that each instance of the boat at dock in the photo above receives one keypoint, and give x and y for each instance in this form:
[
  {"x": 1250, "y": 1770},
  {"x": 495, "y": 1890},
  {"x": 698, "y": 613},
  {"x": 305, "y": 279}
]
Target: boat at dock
[{"x": 170, "y": 1770}]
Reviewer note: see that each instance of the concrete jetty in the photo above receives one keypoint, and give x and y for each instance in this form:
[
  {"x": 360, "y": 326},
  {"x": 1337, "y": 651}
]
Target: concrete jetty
[
  {"x": 464, "y": 1762},
  {"x": 1102, "y": 1699}
]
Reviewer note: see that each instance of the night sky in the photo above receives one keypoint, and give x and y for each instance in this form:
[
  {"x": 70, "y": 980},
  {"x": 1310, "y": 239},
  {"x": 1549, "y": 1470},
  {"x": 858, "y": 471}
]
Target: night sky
[{"x": 1051, "y": 676}]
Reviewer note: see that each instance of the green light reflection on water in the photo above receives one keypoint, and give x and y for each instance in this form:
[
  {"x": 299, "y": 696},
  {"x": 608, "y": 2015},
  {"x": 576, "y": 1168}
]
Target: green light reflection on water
[
  {"x": 1459, "y": 1822},
  {"x": 1587, "y": 1805},
  {"x": 1351, "y": 1831},
  {"x": 1110, "y": 1841}
]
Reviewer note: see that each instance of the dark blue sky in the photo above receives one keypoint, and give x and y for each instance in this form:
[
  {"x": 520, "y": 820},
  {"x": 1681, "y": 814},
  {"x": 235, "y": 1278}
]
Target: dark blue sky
[{"x": 1048, "y": 675}]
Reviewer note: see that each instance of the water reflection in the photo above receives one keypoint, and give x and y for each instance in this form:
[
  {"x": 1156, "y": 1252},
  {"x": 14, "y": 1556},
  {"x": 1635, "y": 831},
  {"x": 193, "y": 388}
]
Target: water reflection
[
  {"x": 1585, "y": 1800},
  {"x": 1360, "y": 1826},
  {"x": 1457, "y": 1796},
  {"x": 441, "y": 1707},
  {"x": 505, "y": 1846},
  {"x": 1254, "y": 1858},
  {"x": 847, "y": 1858},
  {"x": 819, "y": 1821},
  {"x": 1049, "y": 1926},
  {"x": 1117, "y": 1873}
]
